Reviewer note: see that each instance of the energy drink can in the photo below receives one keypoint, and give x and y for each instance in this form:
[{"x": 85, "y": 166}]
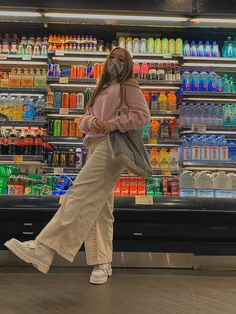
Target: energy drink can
[
  {"x": 57, "y": 100},
  {"x": 50, "y": 99},
  {"x": 65, "y": 100},
  {"x": 62, "y": 161},
  {"x": 157, "y": 45},
  {"x": 143, "y": 45},
  {"x": 56, "y": 70},
  {"x": 80, "y": 101},
  {"x": 179, "y": 46},
  {"x": 50, "y": 126},
  {"x": 87, "y": 94},
  {"x": 50, "y": 70},
  {"x": 78, "y": 158},
  {"x": 73, "y": 100},
  {"x": 49, "y": 159},
  {"x": 136, "y": 45},
  {"x": 65, "y": 128},
  {"x": 164, "y": 46},
  {"x": 150, "y": 45},
  {"x": 58, "y": 127},
  {"x": 55, "y": 160},
  {"x": 172, "y": 46},
  {"x": 73, "y": 72},
  {"x": 71, "y": 158}
]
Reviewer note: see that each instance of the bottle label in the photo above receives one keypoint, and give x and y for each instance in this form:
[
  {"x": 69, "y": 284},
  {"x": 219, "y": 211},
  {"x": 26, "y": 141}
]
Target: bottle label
[
  {"x": 196, "y": 152},
  {"x": 215, "y": 153},
  {"x": 205, "y": 153},
  {"x": 185, "y": 155},
  {"x": 224, "y": 153}
]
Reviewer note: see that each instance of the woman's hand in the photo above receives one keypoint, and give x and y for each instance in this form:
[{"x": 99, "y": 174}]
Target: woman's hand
[
  {"x": 104, "y": 125},
  {"x": 95, "y": 127}
]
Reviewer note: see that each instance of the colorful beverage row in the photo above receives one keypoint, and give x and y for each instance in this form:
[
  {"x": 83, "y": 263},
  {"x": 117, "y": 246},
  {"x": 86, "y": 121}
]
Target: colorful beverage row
[
  {"x": 72, "y": 158},
  {"x": 161, "y": 129},
  {"x": 24, "y": 78},
  {"x": 131, "y": 186},
  {"x": 64, "y": 128}
]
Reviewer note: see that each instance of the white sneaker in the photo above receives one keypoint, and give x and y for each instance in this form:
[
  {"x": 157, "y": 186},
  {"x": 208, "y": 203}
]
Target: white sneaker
[
  {"x": 34, "y": 252},
  {"x": 100, "y": 274}
]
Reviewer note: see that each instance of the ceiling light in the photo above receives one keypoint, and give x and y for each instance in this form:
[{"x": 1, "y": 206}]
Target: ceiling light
[
  {"x": 117, "y": 17},
  {"x": 19, "y": 13},
  {"x": 213, "y": 20}
]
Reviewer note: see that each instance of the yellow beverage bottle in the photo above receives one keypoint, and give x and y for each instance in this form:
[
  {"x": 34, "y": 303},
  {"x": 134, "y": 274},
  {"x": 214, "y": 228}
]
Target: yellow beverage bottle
[
  {"x": 154, "y": 158},
  {"x": 162, "y": 101},
  {"x": 5, "y": 80}
]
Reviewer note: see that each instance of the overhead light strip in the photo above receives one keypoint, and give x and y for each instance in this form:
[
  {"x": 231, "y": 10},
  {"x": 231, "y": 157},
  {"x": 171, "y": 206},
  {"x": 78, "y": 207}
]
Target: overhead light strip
[
  {"x": 205, "y": 64},
  {"x": 213, "y": 20},
  {"x": 20, "y": 14},
  {"x": 116, "y": 17}
]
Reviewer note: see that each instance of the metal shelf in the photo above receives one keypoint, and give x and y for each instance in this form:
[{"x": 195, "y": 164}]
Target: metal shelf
[
  {"x": 210, "y": 164},
  {"x": 21, "y": 124},
  {"x": 70, "y": 111},
  {"x": 64, "y": 140},
  {"x": 164, "y": 114},
  {"x": 206, "y": 97},
  {"x": 228, "y": 131},
  {"x": 163, "y": 143},
  {"x": 221, "y": 64},
  {"x": 23, "y": 89}
]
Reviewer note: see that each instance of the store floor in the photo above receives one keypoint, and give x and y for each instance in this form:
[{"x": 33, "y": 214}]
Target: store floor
[{"x": 132, "y": 291}]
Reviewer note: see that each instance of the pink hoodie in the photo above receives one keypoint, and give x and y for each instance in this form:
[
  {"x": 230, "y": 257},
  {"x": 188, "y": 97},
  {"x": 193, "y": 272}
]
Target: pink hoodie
[{"x": 135, "y": 112}]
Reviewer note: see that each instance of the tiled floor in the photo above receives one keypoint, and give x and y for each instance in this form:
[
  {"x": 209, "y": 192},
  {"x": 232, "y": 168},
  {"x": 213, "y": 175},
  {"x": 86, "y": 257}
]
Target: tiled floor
[{"x": 131, "y": 291}]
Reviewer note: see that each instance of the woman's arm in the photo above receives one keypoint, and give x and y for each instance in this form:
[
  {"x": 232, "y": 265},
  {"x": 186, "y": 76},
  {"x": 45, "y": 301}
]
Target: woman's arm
[
  {"x": 138, "y": 114},
  {"x": 86, "y": 121}
]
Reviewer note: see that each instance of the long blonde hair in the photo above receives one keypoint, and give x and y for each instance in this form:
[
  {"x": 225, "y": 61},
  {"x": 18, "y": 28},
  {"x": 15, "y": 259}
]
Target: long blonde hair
[{"x": 126, "y": 77}]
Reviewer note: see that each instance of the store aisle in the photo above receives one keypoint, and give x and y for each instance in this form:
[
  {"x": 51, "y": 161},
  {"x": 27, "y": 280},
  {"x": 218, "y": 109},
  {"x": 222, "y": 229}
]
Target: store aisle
[{"x": 66, "y": 291}]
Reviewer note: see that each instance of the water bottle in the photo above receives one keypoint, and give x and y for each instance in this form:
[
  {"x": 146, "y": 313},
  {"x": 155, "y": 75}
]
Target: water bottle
[
  {"x": 231, "y": 85},
  {"x": 226, "y": 84},
  {"x": 212, "y": 81},
  {"x": 187, "y": 49},
  {"x": 211, "y": 115},
  {"x": 229, "y": 50},
  {"x": 219, "y": 85},
  {"x": 201, "y": 114},
  {"x": 223, "y": 149},
  {"x": 206, "y": 117},
  {"x": 207, "y": 49},
  {"x": 220, "y": 115},
  {"x": 224, "y": 49},
  {"x": 205, "y": 148},
  {"x": 186, "y": 79},
  {"x": 214, "y": 148},
  {"x": 185, "y": 149},
  {"x": 215, "y": 50},
  {"x": 195, "y": 147},
  {"x": 234, "y": 48},
  {"x": 193, "y": 49},
  {"x": 203, "y": 87},
  {"x": 195, "y": 80},
  {"x": 200, "y": 49}
]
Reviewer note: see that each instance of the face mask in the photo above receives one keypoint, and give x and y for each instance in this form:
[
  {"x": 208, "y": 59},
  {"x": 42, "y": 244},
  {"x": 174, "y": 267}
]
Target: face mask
[{"x": 115, "y": 67}]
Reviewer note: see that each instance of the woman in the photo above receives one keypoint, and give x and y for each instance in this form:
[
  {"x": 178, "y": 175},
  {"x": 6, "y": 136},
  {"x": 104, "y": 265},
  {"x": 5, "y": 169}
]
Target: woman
[{"x": 86, "y": 214}]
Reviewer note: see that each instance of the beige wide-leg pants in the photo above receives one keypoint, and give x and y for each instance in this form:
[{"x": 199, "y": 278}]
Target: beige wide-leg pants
[{"x": 86, "y": 214}]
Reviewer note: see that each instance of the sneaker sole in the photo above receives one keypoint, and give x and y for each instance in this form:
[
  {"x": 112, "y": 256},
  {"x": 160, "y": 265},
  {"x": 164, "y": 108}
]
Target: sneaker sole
[
  {"x": 15, "y": 249},
  {"x": 100, "y": 281}
]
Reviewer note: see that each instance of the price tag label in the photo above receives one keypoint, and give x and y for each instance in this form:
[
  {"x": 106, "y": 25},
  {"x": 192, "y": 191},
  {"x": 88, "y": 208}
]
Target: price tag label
[
  {"x": 61, "y": 199},
  {"x": 63, "y": 80},
  {"x": 3, "y": 57},
  {"x": 153, "y": 141},
  {"x": 58, "y": 170},
  {"x": 166, "y": 173},
  {"x": 59, "y": 53},
  {"x": 63, "y": 111},
  {"x": 167, "y": 56},
  {"x": 143, "y": 200},
  {"x": 26, "y": 57},
  {"x": 198, "y": 128},
  {"x": 17, "y": 158}
]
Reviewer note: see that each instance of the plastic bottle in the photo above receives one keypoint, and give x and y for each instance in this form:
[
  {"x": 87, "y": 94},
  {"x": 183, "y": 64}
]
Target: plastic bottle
[
  {"x": 214, "y": 148},
  {"x": 229, "y": 48},
  {"x": 200, "y": 49},
  {"x": 203, "y": 86},
  {"x": 155, "y": 129},
  {"x": 224, "y": 49},
  {"x": 208, "y": 49},
  {"x": 176, "y": 73},
  {"x": 160, "y": 72},
  {"x": 171, "y": 101},
  {"x": 12, "y": 142},
  {"x": 39, "y": 109},
  {"x": 144, "y": 71},
  {"x": 226, "y": 84},
  {"x": 212, "y": 87},
  {"x": 195, "y": 148},
  {"x": 223, "y": 149},
  {"x": 195, "y": 80},
  {"x": 185, "y": 149},
  {"x": 205, "y": 148},
  {"x": 193, "y": 49},
  {"x": 154, "y": 103},
  {"x": 215, "y": 50},
  {"x": 186, "y": 79},
  {"x": 219, "y": 85},
  {"x": 162, "y": 101},
  {"x": 187, "y": 49},
  {"x": 164, "y": 129},
  {"x": 146, "y": 131}
]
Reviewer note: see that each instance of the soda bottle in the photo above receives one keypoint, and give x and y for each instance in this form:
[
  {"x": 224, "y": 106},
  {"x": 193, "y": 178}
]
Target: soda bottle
[
  {"x": 208, "y": 52},
  {"x": 160, "y": 72},
  {"x": 19, "y": 186},
  {"x": 137, "y": 71},
  {"x": 38, "y": 142},
  {"x": 176, "y": 73},
  {"x": 193, "y": 49},
  {"x": 152, "y": 72},
  {"x": 11, "y": 186},
  {"x": 164, "y": 129},
  {"x": 144, "y": 71},
  {"x": 168, "y": 74},
  {"x": 12, "y": 142},
  {"x": 5, "y": 142}
]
